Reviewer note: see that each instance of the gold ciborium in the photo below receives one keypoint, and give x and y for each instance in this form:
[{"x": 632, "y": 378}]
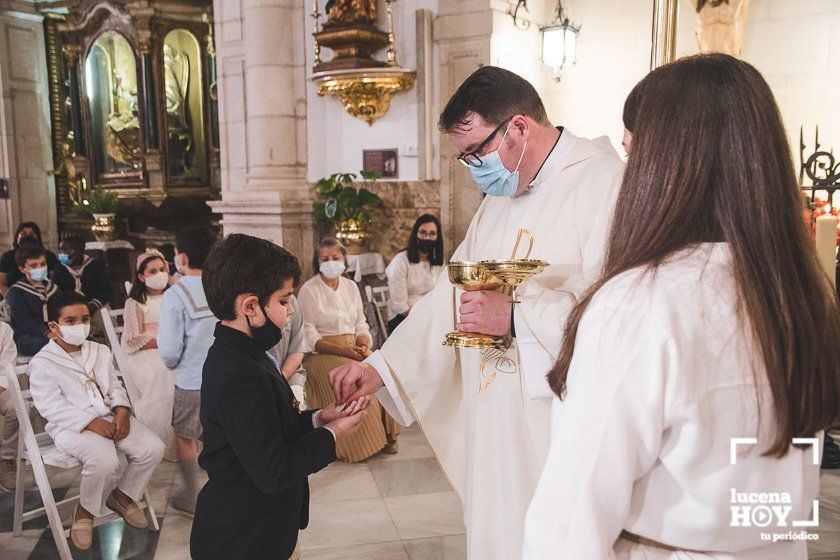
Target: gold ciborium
[{"x": 501, "y": 275}]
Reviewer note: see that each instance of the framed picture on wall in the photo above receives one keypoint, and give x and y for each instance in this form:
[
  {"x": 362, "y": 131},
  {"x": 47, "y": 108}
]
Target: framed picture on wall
[{"x": 384, "y": 162}]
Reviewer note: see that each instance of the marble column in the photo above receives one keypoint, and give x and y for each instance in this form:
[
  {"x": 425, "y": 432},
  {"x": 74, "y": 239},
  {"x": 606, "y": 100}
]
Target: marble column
[
  {"x": 262, "y": 118},
  {"x": 25, "y": 150}
]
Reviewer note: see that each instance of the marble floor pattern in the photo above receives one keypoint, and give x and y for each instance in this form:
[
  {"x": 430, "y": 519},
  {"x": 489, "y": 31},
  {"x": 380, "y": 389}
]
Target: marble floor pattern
[{"x": 392, "y": 507}]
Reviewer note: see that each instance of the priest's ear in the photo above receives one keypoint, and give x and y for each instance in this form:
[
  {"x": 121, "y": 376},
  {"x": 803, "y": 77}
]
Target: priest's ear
[{"x": 521, "y": 126}]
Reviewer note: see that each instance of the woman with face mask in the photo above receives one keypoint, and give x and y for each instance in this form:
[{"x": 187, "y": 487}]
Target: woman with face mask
[
  {"x": 338, "y": 332},
  {"x": 150, "y": 384},
  {"x": 26, "y": 232},
  {"x": 413, "y": 272}
]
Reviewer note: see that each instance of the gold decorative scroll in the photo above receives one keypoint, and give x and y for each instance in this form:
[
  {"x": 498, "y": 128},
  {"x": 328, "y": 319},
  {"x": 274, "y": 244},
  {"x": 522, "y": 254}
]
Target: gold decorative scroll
[
  {"x": 365, "y": 94},
  {"x": 721, "y": 25}
]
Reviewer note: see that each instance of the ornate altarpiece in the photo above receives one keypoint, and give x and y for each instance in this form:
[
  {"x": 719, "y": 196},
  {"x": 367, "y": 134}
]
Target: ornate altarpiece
[{"x": 133, "y": 108}]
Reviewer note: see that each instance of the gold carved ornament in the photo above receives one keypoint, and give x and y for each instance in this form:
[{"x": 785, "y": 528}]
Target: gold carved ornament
[
  {"x": 363, "y": 84},
  {"x": 365, "y": 95}
]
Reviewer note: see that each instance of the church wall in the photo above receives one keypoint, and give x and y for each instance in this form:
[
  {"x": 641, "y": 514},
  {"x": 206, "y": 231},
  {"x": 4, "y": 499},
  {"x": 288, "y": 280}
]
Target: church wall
[
  {"x": 794, "y": 44},
  {"x": 405, "y": 201},
  {"x": 25, "y": 155}
]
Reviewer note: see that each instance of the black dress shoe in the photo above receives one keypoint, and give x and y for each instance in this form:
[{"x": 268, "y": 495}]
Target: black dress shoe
[{"x": 831, "y": 454}]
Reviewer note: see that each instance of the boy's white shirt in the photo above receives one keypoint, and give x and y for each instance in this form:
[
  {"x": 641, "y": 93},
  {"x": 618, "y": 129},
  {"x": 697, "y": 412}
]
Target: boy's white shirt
[
  {"x": 8, "y": 351},
  {"x": 64, "y": 391}
]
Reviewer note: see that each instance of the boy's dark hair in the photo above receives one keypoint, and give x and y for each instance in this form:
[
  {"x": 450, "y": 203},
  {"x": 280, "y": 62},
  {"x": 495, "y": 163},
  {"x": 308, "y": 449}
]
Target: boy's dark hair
[
  {"x": 494, "y": 93},
  {"x": 74, "y": 242},
  {"x": 28, "y": 251},
  {"x": 243, "y": 264},
  {"x": 196, "y": 243},
  {"x": 62, "y": 299}
]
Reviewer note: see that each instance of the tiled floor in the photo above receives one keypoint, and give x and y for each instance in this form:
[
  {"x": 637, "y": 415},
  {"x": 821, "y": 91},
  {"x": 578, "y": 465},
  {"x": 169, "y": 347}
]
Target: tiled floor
[{"x": 393, "y": 507}]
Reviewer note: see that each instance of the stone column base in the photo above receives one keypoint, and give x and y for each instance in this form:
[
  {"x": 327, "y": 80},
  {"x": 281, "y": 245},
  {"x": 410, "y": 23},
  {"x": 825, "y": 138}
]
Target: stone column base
[{"x": 290, "y": 224}]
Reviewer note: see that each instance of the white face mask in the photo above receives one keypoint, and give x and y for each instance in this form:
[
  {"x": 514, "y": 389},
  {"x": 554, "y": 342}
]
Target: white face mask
[
  {"x": 74, "y": 335},
  {"x": 158, "y": 281},
  {"x": 332, "y": 269}
]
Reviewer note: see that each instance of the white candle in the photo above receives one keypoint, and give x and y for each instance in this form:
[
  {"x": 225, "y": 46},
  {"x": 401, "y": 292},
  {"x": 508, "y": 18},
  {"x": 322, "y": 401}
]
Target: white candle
[{"x": 827, "y": 245}]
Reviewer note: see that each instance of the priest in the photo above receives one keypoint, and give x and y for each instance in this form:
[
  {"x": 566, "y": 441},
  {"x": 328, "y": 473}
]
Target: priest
[{"x": 486, "y": 412}]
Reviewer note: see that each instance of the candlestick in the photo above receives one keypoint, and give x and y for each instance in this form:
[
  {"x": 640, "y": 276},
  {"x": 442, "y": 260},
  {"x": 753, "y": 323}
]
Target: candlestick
[
  {"x": 827, "y": 245},
  {"x": 392, "y": 49},
  {"x": 316, "y": 15}
]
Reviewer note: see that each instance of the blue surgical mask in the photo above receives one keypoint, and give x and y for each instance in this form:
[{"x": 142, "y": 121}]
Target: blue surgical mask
[
  {"x": 493, "y": 177},
  {"x": 39, "y": 274},
  {"x": 64, "y": 259}
]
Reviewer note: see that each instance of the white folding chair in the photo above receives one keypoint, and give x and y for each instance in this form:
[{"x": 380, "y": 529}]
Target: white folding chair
[
  {"x": 378, "y": 296},
  {"x": 38, "y": 450},
  {"x": 113, "y": 328}
]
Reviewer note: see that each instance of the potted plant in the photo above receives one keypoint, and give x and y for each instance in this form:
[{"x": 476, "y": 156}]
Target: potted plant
[
  {"x": 348, "y": 207},
  {"x": 102, "y": 206}
]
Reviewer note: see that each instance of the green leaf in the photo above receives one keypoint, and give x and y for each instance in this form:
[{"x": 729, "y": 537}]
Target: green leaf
[
  {"x": 368, "y": 198},
  {"x": 370, "y": 175},
  {"x": 348, "y": 198}
]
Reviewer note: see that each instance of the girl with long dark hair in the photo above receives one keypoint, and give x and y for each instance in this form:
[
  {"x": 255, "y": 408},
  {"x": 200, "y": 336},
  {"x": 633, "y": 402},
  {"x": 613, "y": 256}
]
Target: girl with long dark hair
[
  {"x": 707, "y": 346},
  {"x": 412, "y": 273}
]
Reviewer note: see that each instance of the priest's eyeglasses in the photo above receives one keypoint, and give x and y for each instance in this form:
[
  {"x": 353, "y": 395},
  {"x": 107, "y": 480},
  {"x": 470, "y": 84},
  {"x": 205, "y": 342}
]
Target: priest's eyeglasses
[{"x": 473, "y": 158}]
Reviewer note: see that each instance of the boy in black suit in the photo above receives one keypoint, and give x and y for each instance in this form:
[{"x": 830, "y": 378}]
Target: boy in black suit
[{"x": 259, "y": 448}]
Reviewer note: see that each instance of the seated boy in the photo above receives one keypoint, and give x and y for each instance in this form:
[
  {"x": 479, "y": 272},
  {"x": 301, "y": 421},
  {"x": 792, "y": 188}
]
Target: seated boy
[
  {"x": 9, "y": 436},
  {"x": 185, "y": 333},
  {"x": 75, "y": 388},
  {"x": 82, "y": 273},
  {"x": 259, "y": 448},
  {"x": 27, "y": 300}
]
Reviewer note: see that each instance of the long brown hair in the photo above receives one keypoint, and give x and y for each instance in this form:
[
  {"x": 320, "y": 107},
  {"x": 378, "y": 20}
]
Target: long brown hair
[{"x": 711, "y": 162}]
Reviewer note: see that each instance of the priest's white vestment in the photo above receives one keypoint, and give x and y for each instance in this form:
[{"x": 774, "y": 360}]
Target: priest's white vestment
[{"x": 486, "y": 413}]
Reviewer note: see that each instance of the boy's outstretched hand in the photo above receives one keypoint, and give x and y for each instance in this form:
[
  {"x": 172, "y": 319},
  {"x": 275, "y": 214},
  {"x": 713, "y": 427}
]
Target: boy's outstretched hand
[{"x": 346, "y": 421}]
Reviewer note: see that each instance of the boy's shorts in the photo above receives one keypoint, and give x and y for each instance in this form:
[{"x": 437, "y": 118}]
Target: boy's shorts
[{"x": 185, "y": 411}]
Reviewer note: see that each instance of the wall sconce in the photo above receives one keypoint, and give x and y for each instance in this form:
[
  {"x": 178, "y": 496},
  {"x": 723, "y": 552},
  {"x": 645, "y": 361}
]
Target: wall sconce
[{"x": 559, "y": 49}]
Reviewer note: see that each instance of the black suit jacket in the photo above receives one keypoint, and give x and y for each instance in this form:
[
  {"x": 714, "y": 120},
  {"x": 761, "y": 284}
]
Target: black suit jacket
[{"x": 258, "y": 453}]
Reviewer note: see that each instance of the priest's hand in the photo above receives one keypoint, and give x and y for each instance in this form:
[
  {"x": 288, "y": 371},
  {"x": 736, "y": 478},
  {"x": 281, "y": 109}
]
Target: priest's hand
[
  {"x": 353, "y": 381},
  {"x": 485, "y": 312}
]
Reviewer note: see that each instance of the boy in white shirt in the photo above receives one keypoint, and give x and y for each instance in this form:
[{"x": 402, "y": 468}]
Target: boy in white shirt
[{"x": 74, "y": 386}]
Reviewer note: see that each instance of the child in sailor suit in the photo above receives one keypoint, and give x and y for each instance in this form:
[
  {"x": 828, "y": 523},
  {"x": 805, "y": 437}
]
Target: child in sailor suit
[{"x": 75, "y": 388}]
